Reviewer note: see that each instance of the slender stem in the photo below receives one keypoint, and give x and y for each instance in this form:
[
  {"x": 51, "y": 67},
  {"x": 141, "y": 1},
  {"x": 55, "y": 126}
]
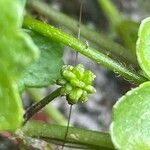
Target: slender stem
[
  {"x": 49, "y": 109},
  {"x": 78, "y": 136},
  {"x": 111, "y": 12},
  {"x": 60, "y": 36},
  {"x": 41, "y": 104},
  {"x": 98, "y": 38}
]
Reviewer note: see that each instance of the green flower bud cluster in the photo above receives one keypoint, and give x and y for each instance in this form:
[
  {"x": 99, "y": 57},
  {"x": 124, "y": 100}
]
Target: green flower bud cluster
[{"x": 76, "y": 83}]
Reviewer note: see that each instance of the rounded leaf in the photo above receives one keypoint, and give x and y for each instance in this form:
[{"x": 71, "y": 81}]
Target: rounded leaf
[
  {"x": 130, "y": 128},
  {"x": 143, "y": 46}
]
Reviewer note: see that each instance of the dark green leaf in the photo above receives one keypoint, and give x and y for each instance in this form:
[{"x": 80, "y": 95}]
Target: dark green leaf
[{"x": 47, "y": 68}]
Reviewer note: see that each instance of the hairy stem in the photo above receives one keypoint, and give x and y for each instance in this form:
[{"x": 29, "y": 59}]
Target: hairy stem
[
  {"x": 60, "y": 36},
  {"x": 76, "y": 136},
  {"x": 98, "y": 38},
  {"x": 41, "y": 104}
]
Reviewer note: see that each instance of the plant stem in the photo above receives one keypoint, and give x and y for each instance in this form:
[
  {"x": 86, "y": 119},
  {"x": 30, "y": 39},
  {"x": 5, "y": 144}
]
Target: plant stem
[
  {"x": 60, "y": 36},
  {"x": 41, "y": 104},
  {"x": 78, "y": 136},
  {"x": 98, "y": 38},
  {"x": 111, "y": 12},
  {"x": 49, "y": 109}
]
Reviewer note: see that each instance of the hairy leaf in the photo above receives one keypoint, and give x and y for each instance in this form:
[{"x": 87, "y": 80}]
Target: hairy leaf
[
  {"x": 47, "y": 68},
  {"x": 143, "y": 46},
  {"x": 130, "y": 128}
]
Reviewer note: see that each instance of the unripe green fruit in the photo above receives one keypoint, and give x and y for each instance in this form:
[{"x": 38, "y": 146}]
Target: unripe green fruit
[
  {"x": 79, "y": 71},
  {"x": 83, "y": 97},
  {"x": 88, "y": 77},
  {"x": 67, "y": 67},
  {"x": 90, "y": 89},
  {"x": 76, "y": 83},
  {"x": 71, "y": 101},
  {"x": 68, "y": 88},
  {"x": 68, "y": 75},
  {"x": 74, "y": 95}
]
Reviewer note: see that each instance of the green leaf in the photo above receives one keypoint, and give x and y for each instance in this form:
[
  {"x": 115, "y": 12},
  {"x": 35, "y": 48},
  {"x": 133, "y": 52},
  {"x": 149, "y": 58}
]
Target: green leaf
[
  {"x": 11, "y": 112},
  {"x": 128, "y": 31},
  {"x": 143, "y": 46},
  {"x": 130, "y": 128},
  {"x": 47, "y": 68},
  {"x": 11, "y": 14},
  {"x": 17, "y": 49}
]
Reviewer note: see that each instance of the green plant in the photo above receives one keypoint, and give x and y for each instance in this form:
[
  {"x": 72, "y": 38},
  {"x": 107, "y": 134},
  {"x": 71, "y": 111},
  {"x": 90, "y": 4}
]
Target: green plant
[{"x": 31, "y": 56}]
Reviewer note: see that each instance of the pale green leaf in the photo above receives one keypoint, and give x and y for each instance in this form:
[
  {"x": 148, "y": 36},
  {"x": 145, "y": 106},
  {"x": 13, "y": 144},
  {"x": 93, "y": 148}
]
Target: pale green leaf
[
  {"x": 11, "y": 14},
  {"x": 143, "y": 46},
  {"x": 17, "y": 49},
  {"x": 130, "y": 127},
  {"x": 11, "y": 111}
]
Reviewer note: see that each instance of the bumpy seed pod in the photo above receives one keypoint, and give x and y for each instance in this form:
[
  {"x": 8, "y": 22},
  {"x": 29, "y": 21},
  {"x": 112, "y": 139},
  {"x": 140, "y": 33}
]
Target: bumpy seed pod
[{"x": 76, "y": 83}]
